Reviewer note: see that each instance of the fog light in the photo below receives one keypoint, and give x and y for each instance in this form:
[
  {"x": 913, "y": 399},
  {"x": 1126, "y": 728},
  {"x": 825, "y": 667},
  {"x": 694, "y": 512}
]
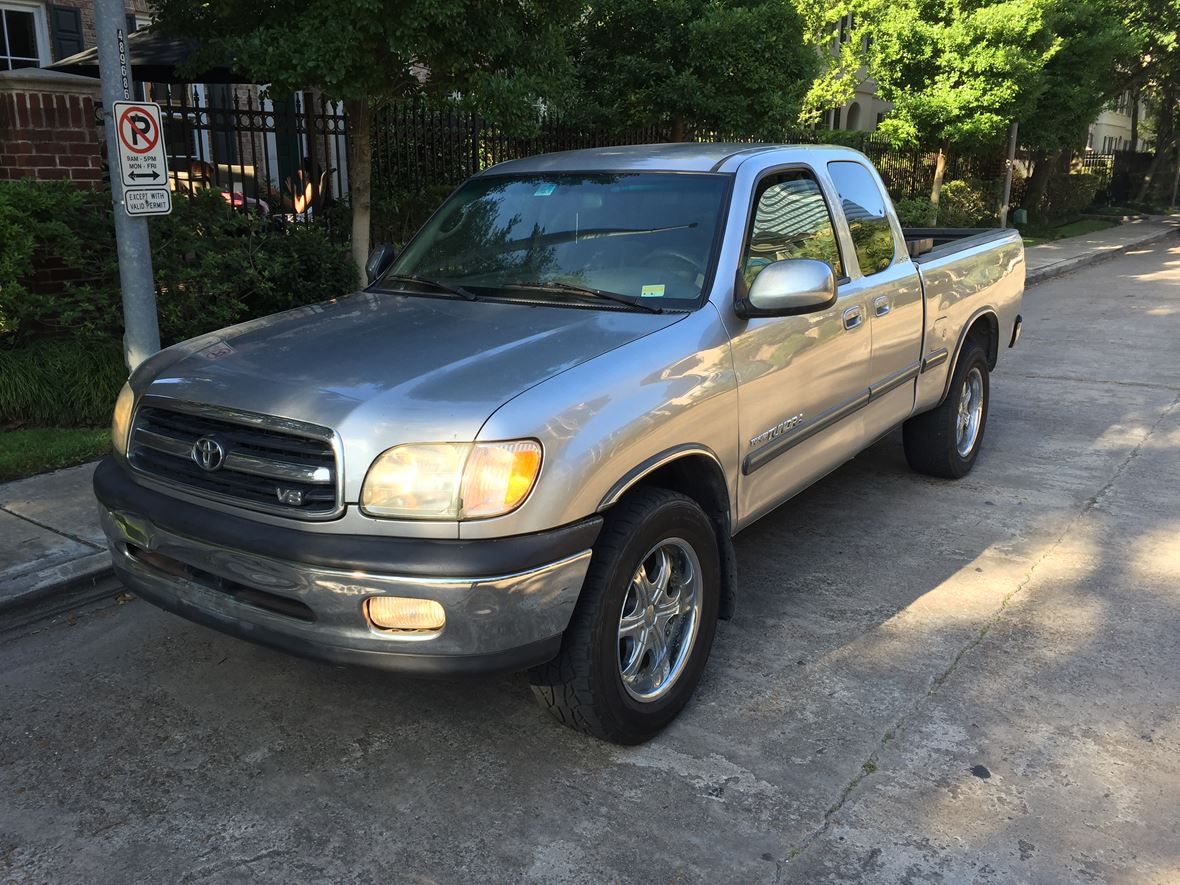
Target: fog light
[{"x": 403, "y": 613}]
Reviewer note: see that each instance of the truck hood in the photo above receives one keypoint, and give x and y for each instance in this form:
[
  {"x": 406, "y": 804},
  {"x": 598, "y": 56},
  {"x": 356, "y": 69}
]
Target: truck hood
[{"x": 383, "y": 368}]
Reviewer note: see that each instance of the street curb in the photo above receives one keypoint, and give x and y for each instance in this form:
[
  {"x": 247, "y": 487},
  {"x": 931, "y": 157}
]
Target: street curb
[
  {"x": 70, "y": 585},
  {"x": 1067, "y": 265}
]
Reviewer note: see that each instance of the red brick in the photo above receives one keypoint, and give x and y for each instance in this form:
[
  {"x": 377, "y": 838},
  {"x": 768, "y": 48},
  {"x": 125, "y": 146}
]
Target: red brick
[
  {"x": 21, "y": 110},
  {"x": 73, "y": 162},
  {"x": 46, "y": 173},
  {"x": 83, "y": 149},
  {"x": 28, "y": 161}
]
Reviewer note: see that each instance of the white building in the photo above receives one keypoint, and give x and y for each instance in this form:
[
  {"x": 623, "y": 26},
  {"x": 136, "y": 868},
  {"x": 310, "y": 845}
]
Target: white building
[{"x": 1112, "y": 130}]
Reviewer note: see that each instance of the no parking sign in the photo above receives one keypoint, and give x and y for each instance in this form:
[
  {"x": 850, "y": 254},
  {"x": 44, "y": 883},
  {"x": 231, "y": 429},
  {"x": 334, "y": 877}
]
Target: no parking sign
[{"x": 143, "y": 162}]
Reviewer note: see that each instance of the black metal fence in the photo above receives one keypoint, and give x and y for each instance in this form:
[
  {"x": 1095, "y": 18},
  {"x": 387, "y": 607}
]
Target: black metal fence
[
  {"x": 288, "y": 158},
  {"x": 283, "y": 157}
]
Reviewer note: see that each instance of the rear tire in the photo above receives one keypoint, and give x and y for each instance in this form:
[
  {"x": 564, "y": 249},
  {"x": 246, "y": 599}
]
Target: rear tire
[
  {"x": 945, "y": 441},
  {"x": 639, "y": 638}
]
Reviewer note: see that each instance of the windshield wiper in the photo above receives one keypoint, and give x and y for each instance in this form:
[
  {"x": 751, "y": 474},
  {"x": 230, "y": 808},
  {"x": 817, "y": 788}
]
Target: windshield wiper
[
  {"x": 434, "y": 284},
  {"x": 584, "y": 290}
]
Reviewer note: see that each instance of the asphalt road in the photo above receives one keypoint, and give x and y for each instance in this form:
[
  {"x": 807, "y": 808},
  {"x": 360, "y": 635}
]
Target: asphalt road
[{"x": 926, "y": 681}]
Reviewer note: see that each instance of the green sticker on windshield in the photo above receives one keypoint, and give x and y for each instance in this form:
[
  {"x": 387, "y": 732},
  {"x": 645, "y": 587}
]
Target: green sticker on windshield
[
  {"x": 545, "y": 190},
  {"x": 652, "y": 291}
]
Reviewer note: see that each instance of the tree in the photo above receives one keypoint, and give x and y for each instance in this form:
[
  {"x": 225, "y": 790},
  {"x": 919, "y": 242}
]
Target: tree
[
  {"x": 1154, "y": 70},
  {"x": 1093, "y": 42},
  {"x": 956, "y": 71},
  {"x": 500, "y": 56},
  {"x": 735, "y": 67}
]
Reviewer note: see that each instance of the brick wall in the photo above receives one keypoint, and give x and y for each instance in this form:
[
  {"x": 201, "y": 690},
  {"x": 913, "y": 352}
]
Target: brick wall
[{"x": 47, "y": 127}]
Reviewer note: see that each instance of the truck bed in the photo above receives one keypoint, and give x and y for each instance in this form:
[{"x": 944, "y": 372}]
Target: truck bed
[{"x": 928, "y": 243}]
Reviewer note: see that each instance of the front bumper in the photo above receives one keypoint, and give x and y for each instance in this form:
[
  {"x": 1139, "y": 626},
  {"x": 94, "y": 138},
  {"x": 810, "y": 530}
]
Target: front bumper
[{"x": 507, "y": 601}]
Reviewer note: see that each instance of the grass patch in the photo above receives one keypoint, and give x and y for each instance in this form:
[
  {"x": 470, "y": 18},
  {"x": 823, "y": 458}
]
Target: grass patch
[
  {"x": 1034, "y": 235},
  {"x": 40, "y": 449},
  {"x": 60, "y": 382}
]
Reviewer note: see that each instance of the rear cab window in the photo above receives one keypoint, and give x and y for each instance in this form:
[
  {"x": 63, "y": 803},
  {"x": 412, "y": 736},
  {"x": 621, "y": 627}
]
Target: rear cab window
[
  {"x": 868, "y": 219},
  {"x": 791, "y": 220}
]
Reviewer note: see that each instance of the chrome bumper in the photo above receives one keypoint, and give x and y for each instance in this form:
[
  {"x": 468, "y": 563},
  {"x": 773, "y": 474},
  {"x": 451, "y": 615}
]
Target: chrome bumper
[{"x": 496, "y": 622}]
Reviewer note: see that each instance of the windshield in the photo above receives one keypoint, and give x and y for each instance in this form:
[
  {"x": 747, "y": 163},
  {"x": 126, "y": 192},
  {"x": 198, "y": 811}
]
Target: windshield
[{"x": 648, "y": 237}]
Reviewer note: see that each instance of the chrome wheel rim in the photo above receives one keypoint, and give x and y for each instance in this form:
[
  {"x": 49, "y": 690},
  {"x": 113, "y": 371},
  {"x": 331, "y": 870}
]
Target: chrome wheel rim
[
  {"x": 659, "y": 620},
  {"x": 970, "y": 413}
]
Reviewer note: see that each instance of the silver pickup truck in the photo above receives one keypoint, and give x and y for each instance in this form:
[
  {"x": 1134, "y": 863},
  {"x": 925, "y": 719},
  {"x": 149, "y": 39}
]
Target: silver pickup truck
[{"x": 529, "y": 441}]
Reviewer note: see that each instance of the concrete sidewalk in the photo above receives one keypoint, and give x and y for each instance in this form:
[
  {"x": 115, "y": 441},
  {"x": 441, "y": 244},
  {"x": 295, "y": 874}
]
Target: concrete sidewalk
[
  {"x": 50, "y": 540},
  {"x": 51, "y": 543},
  {"x": 1049, "y": 260}
]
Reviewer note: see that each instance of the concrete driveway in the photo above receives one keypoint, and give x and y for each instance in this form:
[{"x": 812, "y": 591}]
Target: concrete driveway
[{"x": 926, "y": 681}]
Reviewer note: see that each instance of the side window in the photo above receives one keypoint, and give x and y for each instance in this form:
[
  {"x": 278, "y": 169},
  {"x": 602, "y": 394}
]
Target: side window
[
  {"x": 868, "y": 220},
  {"x": 791, "y": 221}
]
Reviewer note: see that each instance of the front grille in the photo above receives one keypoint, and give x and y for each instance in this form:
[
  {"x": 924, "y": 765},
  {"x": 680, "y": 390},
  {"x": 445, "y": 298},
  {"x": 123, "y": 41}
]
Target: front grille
[{"x": 252, "y": 463}]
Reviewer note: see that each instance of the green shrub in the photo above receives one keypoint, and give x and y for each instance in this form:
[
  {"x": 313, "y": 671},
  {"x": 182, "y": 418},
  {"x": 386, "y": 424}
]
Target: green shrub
[
  {"x": 213, "y": 266},
  {"x": 60, "y": 382},
  {"x": 61, "y": 360},
  {"x": 1068, "y": 193},
  {"x": 53, "y": 228},
  {"x": 913, "y": 211},
  {"x": 965, "y": 204}
]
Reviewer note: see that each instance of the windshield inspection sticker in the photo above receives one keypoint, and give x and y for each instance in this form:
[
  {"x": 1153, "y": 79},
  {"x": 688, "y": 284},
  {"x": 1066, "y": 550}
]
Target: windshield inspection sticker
[
  {"x": 652, "y": 291},
  {"x": 545, "y": 190}
]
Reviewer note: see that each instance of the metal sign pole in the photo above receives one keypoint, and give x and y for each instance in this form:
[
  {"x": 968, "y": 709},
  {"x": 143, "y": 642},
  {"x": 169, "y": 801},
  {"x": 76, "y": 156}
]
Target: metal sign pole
[{"x": 141, "y": 337}]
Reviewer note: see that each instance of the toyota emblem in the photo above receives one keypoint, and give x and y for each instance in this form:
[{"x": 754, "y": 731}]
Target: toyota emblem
[{"x": 208, "y": 453}]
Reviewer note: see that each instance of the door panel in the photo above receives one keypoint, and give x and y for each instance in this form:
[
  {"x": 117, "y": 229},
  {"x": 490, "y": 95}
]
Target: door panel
[
  {"x": 891, "y": 288},
  {"x": 801, "y": 379}
]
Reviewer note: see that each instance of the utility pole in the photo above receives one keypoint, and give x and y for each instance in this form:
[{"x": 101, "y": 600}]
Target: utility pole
[
  {"x": 1008, "y": 174},
  {"x": 141, "y": 337}
]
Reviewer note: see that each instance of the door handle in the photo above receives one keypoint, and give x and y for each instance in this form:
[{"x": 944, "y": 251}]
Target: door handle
[
  {"x": 881, "y": 305},
  {"x": 853, "y": 317}
]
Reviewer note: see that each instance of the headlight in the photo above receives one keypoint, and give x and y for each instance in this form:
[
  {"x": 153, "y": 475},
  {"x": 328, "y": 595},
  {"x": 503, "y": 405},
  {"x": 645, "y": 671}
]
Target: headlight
[
  {"x": 451, "y": 480},
  {"x": 121, "y": 421}
]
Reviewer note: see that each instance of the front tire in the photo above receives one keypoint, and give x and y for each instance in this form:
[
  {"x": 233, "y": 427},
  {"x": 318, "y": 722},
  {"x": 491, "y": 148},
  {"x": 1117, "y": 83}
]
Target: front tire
[
  {"x": 945, "y": 441},
  {"x": 639, "y": 638}
]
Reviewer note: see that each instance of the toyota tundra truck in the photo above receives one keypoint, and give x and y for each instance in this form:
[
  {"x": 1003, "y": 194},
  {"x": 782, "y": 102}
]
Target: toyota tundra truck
[{"x": 528, "y": 442}]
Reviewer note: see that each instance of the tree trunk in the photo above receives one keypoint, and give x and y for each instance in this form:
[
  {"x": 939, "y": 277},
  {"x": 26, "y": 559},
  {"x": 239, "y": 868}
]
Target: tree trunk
[
  {"x": 679, "y": 129},
  {"x": 939, "y": 172},
  {"x": 360, "y": 173},
  {"x": 1135, "y": 119},
  {"x": 1034, "y": 194},
  {"x": 1163, "y": 142}
]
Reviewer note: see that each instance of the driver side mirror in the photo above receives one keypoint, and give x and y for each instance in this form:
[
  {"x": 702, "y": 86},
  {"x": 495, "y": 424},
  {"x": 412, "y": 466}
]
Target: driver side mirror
[
  {"x": 788, "y": 287},
  {"x": 379, "y": 260}
]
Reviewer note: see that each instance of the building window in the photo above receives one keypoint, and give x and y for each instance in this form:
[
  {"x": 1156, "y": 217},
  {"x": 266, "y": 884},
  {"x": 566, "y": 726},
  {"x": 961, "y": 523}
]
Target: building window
[{"x": 24, "y": 41}]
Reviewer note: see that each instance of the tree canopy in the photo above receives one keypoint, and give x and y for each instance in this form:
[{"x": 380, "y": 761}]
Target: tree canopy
[
  {"x": 734, "y": 68},
  {"x": 500, "y": 56}
]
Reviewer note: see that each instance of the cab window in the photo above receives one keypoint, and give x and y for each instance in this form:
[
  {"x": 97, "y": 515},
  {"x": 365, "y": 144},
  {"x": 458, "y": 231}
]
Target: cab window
[
  {"x": 864, "y": 209},
  {"x": 791, "y": 220}
]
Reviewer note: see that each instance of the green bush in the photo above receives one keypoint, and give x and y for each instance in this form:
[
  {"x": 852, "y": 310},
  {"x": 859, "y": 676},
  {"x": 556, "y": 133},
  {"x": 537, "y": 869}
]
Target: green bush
[
  {"x": 965, "y": 204},
  {"x": 913, "y": 211},
  {"x": 1068, "y": 193},
  {"x": 213, "y": 266},
  {"x": 53, "y": 227},
  {"x": 61, "y": 360},
  {"x": 961, "y": 204},
  {"x": 60, "y": 382}
]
